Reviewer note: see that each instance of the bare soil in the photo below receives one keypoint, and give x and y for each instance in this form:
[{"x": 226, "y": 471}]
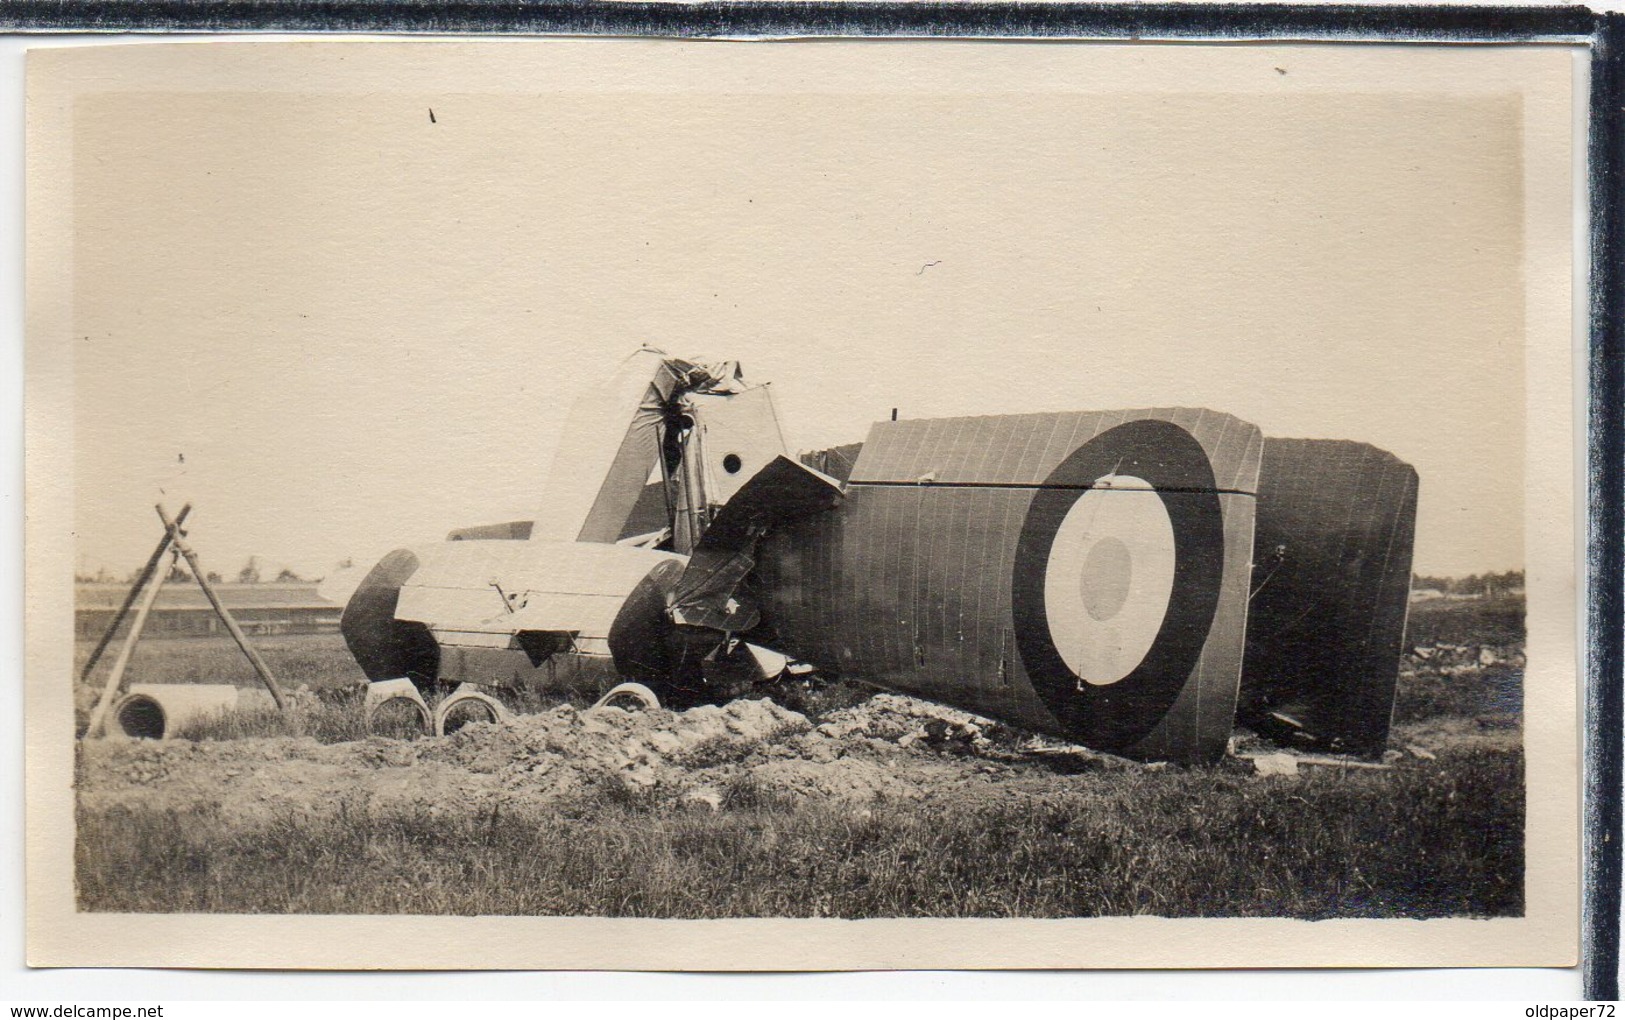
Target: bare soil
[{"x": 889, "y": 747}]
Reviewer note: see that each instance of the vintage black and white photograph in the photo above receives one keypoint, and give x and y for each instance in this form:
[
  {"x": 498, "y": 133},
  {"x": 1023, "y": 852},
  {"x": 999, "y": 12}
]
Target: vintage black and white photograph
[{"x": 514, "y": 484}]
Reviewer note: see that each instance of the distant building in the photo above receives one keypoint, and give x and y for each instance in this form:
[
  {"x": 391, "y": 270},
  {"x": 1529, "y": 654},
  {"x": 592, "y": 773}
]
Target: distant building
[{"x": 182, "y": 610}]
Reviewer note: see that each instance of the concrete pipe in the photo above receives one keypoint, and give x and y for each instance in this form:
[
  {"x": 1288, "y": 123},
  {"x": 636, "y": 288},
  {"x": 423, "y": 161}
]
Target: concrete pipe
[
  {"x": 467, "y": 704},
  {"x": 158, "y": 711},
  {"x": 395, "y": 693}
]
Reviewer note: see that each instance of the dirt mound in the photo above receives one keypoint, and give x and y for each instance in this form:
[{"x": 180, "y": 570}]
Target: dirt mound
[
  {"x": 1457, "y": 660},
  {"x": 886, "y": 748},
  {"x": 639, "y": 749},
  {"x": 523, "y": 761},
  {"x": 893, "y": 717}
]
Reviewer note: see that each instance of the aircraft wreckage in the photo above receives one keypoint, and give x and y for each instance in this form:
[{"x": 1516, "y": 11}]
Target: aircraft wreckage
[{"x": 1136, "y": 581}]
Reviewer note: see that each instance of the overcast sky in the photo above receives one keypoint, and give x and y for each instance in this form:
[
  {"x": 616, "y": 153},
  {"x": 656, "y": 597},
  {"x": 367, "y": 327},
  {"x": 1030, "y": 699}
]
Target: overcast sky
[{"x": 362, "y": 327}]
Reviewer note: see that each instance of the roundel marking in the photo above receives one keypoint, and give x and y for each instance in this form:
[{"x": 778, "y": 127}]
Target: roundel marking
[
  {"x": 1116, "y": 579},
  {"x": 1108, "y": 580},
  {"x": 1108, "y": 575}
]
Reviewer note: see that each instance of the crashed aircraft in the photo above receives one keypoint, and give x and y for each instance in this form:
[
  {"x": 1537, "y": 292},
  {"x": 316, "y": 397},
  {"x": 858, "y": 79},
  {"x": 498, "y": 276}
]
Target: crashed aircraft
[{"x": 1137, "y": 581}]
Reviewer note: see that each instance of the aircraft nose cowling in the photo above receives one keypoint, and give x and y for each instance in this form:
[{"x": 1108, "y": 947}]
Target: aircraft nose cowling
[{"x": 385, "y": 647}]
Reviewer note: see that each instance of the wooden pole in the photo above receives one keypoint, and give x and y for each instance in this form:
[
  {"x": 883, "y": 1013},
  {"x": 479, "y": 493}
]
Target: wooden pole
[
  {"x": 98, "y": 715},
  {"x": 225, "y": 616},
  {"x": 129, "y": 600}
]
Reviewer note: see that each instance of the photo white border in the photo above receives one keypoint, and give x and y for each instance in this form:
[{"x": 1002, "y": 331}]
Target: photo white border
[{"x": 194, "y": 940}]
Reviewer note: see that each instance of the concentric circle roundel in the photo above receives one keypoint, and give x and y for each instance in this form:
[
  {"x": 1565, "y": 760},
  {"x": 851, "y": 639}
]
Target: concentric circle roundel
[
  {"x": 1108, "y": 579},
  {"x": 1117, "y": 576}
]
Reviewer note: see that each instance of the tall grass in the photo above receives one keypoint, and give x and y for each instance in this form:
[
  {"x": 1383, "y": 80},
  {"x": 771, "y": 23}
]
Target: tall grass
[
  {"x": 330, "y": 723},
  {"x": 1496, "y": 621},
  {"x": 1419, "y": 842}
]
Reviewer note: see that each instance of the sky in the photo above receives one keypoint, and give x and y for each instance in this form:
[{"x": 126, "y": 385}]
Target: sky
[{"x": 338, "y": 325}]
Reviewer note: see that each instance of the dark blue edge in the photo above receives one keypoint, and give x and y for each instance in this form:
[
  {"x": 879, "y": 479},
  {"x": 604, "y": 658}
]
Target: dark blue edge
[
  {"x": 1605, "y": 544},
  {"x": 817, "y": 18},
  {"x": 1605, "y": 570}
]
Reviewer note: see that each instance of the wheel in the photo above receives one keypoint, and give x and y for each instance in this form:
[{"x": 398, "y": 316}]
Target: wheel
[
  {"x": 467, "y": 704},
  {"x": 629, "y": 696},
  {"x": 394, "y": 708}
]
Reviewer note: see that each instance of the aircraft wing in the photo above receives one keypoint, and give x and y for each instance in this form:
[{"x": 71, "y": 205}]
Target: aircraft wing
[{"x": 1083, "y": 574}]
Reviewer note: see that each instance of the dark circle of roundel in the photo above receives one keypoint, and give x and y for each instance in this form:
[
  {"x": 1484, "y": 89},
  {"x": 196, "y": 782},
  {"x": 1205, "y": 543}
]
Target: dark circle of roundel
[{"x": 1174, "y": 463}]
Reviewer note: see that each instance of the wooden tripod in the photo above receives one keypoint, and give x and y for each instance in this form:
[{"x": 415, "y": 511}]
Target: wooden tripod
[{"x": 146, "y": 588}]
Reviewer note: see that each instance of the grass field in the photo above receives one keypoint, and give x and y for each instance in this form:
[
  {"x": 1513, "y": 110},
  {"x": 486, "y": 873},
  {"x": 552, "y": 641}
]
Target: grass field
[
  {"x": 1200, "y": 842},
  {"x": 305, "y": 666},
  {"x": 313, "y": 660},
  {"x": 1496, "y": 621},
  {"x": 1426, "y": 838}
]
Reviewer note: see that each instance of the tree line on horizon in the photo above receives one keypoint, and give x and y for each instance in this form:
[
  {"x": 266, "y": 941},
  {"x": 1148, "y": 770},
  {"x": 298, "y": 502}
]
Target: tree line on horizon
[
  {"x": 252, "y": 572},
  {"x": 1473, "y": 584}
]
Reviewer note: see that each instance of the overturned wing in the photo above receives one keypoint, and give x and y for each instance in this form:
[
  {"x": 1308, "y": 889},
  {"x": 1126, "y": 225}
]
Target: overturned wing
[{"x": 1083, "y": 574}]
